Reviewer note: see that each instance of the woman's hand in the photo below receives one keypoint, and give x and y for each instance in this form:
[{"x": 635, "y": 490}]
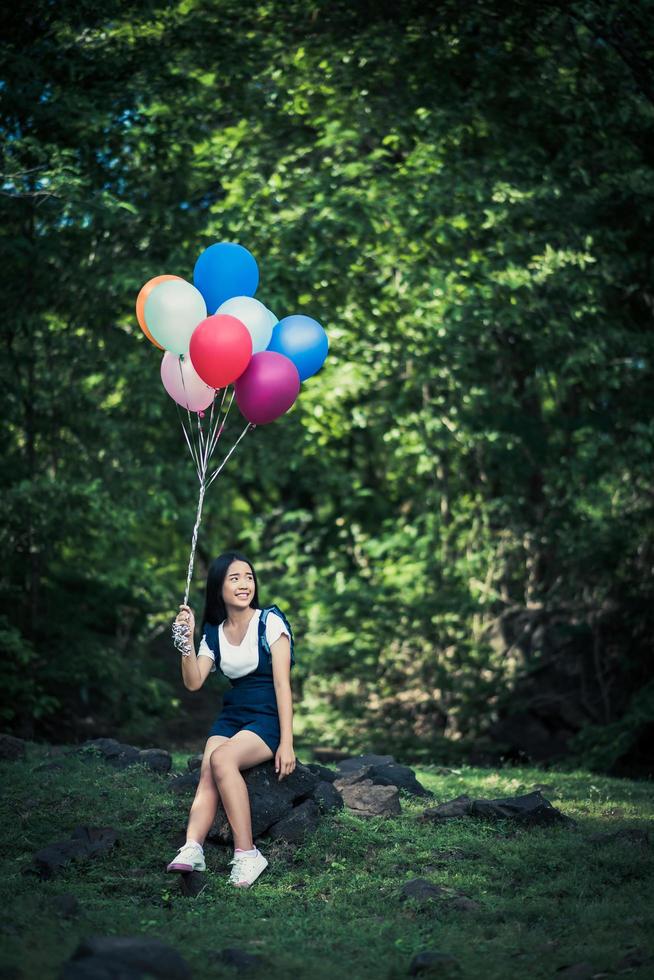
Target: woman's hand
[
  {"x": 284, "y": 760},
  {"x": 185, "y": 617}
]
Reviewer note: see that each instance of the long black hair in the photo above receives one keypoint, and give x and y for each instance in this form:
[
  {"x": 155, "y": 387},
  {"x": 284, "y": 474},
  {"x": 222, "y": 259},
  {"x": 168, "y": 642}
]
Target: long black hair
[{"x": 214, "y": 606}]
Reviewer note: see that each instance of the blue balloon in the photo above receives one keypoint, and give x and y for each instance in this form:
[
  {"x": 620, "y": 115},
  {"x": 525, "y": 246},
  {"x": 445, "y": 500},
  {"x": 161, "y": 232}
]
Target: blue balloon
[
  {"x": 303, "y": 341},
  {"x": 224, "y": 270}
]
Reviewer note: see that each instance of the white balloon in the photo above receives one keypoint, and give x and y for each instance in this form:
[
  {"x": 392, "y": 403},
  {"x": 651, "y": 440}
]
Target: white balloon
[
  {"x": 172, "y": 312},
  {"x": 254, "y": 316}
]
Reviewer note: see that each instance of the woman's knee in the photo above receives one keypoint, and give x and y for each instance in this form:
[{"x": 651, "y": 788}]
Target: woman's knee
[{"x": 222, "y": 762}]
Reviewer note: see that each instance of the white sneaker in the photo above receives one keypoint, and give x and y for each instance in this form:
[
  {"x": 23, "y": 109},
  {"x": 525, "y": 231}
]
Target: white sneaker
[
  {"x": 190, "y": 857},
  {"x": 246, "y": 870}
]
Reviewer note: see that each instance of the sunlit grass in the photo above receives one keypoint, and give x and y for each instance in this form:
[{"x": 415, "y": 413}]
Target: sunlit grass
[{"x": 545, "y": 898}]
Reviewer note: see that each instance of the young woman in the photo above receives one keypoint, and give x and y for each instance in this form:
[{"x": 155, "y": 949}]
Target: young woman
[{"x": 257, "y": 717}]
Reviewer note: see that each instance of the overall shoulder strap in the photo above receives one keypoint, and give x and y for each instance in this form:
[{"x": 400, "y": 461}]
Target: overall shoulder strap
[
  {"x": 263, "y": 641},
  {"x": 212, "y": 634}
]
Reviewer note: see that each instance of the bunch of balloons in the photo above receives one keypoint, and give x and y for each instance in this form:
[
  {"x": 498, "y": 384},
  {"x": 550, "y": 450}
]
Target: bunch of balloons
[{"x": 214, "y": 333}]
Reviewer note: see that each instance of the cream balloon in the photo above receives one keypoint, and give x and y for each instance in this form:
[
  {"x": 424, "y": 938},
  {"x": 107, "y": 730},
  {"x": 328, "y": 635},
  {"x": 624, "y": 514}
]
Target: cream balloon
[
  {"x": 253, "y": 315},
  {"x": 172, "y": 312}
]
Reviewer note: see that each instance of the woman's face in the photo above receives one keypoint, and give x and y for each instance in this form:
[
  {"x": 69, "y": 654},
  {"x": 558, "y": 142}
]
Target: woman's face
[{"x": 238, "y": 587}]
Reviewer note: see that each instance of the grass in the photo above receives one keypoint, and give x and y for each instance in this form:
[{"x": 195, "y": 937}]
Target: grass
[{"x": 547, "y": 897}]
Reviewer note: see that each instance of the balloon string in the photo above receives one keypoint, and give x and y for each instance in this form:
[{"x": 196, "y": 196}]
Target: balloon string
[
  {"x": 219, "y": 430},
  {"x": 198, "y": 451},
  {"x": 180, "y": 631},
  {"x": 215, "y": 424},
  {"x": 210, "y": 430},
  {"x": 200, "y": 435},
  {"x": 189, "y": 438},
  {"x": 217, "y": 471},
  {"x": 194, "y": 540},
  {"x": 188, "y": 412},
  {"x": 188, "y": 442}
]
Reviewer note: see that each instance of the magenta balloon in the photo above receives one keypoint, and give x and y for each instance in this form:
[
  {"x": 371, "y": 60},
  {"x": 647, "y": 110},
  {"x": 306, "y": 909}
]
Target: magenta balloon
[
  {"x": 182, "y": 383},
  {"x": 267, "y": 388}
]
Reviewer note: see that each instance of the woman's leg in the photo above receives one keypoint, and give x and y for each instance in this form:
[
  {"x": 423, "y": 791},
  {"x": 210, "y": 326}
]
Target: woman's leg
[
  {"x": 243, "y": 750},
  {"x": 205, "y": 804}
]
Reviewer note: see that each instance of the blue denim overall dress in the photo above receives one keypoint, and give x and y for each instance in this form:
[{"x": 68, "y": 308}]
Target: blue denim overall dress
[{"x": 251, "y": 702}]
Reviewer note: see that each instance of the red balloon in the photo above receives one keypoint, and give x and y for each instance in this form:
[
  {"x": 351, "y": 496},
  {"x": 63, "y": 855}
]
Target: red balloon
[{"x": 220, "y": 349}]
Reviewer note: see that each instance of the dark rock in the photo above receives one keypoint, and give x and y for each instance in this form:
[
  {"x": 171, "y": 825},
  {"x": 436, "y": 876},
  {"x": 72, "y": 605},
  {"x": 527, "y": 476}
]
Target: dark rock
[
  {"x": 325, "y": 774},
  {"x": 194, "y": 762},
  {"x": 461, "y": 903},
  {"x": 421, "y": 890},
  {"x": 192, "y": 883},
  {"x": 295, "y": 825},
  {"x": 382, "y": 774},
  {"x": 432, "y": 963},
  {"x": 393, "y": 774},
  {"x": 125, "y": 958},
  {"x": 56, "y": 750},
  {"x": 443, "y": 857},
  {"x": 576, "y": 971},
  {"x": 327, "y": 797},
  {"x": 238, "y": 958},
  {"x": 12, "y": 748},
  {"x": 65, "y": 905},
  {"x": 156, "y": 759},
  {"x": 367, "y": 800},
  {"x": 459, "y": 807},
  {"x": 121, "y": 756},
  {"x": 359, "y": 761},
  {"x": 628, "y": 835},
  {"x": 53, "y": 765},
  {"x": 188, "y": 782},
  {"x": 112, "y": 751},
  {"x": 85, "y": 842},
  {"x": 352, "y": 777},
  {"x": 529, "y": 810},
  {"x": 329, "y": 755},
  {"x": 97, "y": 968},
  {"x": 633, "y": 959},
  {"x": 271, "y": 798}
]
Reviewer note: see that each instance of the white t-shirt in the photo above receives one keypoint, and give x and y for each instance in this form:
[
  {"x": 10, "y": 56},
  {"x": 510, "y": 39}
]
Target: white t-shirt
[{"x": 236, "y": 661}]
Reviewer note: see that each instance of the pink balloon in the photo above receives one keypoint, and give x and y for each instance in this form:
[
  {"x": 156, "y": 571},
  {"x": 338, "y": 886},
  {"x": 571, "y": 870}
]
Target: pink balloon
[
  {"x": 267, "y": 388},
  {"x": 182, "y": 383}
]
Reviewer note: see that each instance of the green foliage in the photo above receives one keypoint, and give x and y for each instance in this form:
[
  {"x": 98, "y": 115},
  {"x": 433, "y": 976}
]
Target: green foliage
[
  {"x": 463, "y": 196},
  {"x": 605, "y": 746}
]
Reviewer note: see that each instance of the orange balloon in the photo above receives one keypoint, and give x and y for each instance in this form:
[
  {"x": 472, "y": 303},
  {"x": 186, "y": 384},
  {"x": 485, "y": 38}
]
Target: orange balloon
[{"x": 140, "y": 304}]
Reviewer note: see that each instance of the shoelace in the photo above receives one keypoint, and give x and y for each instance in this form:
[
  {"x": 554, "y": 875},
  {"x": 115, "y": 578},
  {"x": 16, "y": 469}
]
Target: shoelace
[{"x": 239, "y": 865}]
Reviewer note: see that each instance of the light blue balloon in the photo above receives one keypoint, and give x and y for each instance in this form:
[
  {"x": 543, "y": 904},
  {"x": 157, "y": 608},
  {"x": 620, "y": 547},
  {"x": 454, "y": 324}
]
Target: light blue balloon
[
  {"x": 223, "y": 270},
  {"x": 273, "y": 319},
  {"x": 254, "y": 316},
  {"x": 172, "y": 311},
  {"x": 303, "y": 340}
]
